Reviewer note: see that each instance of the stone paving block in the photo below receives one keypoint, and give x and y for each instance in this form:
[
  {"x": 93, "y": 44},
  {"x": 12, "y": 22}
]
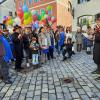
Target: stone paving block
[
  {"x": 38, "y": 92},
  {"x": 84, "y": 97},
  {"x": 58, "y": 89},
  {"x": 75, "y": 95},
  {"x": 38, "y": 87},
  {"x": 18, "y": 89},
  {"x": 9, "y": 93},
  {"x": 2, "y": 95},
  {"x": 13, "y": 87},
  {"x": 67, "y": 96},
  {"x": 30, "y": 94},
  {"x": 45, "y": 95},
  {"x": 31, "y": 87},
  {"x": 52, "y": 91},
  {"x": 51, "y": 86},
  {"x": 36, "y": 98},
  {"x": 72, "y": 89},
  {"x": 15, "y": 95},
  {"x": 24, "y": 91},
  {"x": 6, "y": 98},
  {"x": 29, "y": 99},
  {"x": 45, "y": 90},
  {"x": 4, "y": 89},
  {"x": 65, "y": 89},
  {"x": 22, "y": 97},
  {"x": 86, "y": 88},
  {"x": 91, "y": 94},
  {"x": 98, "y": 94},
  {"x": 45, "y": 86},
  {"x": 60, "y": 96},
  {"x": 81, "y": 91},
  {"x": 95, "y": 98},
  {"x": 52, "y": 97}
]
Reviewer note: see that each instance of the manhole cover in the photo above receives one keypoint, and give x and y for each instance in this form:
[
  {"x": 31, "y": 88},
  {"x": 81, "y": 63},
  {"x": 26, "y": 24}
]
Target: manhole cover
[{"x": 67, "y": 80}]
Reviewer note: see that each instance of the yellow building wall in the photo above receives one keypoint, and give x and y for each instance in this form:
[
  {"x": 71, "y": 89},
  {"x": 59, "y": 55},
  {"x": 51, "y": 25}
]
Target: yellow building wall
[{"x": 64, "y": 17}]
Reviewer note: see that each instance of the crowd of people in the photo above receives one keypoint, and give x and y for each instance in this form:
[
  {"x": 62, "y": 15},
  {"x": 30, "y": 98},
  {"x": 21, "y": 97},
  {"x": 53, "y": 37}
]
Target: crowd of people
[{"x": 38, "y": 46}]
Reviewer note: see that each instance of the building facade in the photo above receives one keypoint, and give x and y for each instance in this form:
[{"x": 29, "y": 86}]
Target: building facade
[
  {"x": 7, "y": 7},
  {"x": 85, "y": 12},
  {"x": 60, "y": 9}
]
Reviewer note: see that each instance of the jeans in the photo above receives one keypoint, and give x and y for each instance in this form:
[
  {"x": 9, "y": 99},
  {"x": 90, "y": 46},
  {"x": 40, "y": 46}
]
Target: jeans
[{"x": 4, "y": 70}]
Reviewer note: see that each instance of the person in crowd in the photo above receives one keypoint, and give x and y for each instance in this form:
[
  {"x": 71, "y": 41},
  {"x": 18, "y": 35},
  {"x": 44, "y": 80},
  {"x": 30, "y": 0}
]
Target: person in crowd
[
  {"x": 35, "y": 51},
  {"x": 17, "y": 39},
  {"x": 50, "y": 36},
  {"x": 35, "y": 34},
  {"x": 61, "y": 39},
  {"x": 79, "y": 38},
  {"x": 90, "y": 33},
  {"x": 8, "y": 36},
  {"x": 26, "y": 45},
  {"x": 67, "y": 48},
  {"x": 44, "y": 43},
  {"x": 56, "y": 36},
  {"x": 96, "y": 49},
  {"x": 5, "y": 57}
]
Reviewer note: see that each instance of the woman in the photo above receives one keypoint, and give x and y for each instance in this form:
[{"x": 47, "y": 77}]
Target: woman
[
  {"x": 79, "y": 38},
  {"x": 96, "y": 50},
  {"x": 43, "y": 42},
  {"x": 90, "y": 33}
]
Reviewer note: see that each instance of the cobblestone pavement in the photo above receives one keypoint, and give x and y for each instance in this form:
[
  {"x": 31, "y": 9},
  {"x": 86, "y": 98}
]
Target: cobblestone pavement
[{"x": 46, "y": 83}]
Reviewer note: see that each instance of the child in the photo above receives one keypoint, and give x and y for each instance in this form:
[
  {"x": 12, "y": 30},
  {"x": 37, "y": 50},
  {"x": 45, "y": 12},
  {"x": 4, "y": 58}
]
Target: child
[
  {"x": 67, "y": 49},
  {"x": 35, "y": 48}
]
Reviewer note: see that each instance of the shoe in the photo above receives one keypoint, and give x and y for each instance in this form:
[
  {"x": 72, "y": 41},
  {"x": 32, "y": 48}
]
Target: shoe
[
  {"x": 96, "y": 72},
  {"x": 8, "y": 82},
  {"x": 28, "y": 65},
  {"x": 98, "y": 78},
  {"x": 64, "y": 58},
  {"x": 69, "y": 57},
  {"x": 53, "y": 57}
]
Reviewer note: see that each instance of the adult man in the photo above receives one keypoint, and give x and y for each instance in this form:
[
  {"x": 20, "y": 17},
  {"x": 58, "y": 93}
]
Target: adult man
[
  {"x": 50, "y": 36},
  {"x": 5, "y": 57},
  {"x": 61, "y": 39},
  {"x": 96, "y": 50},
  {"x": 18, "y": 48}
]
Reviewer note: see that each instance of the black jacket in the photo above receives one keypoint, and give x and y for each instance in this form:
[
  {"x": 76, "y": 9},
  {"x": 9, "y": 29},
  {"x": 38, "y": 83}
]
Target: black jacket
[
  {"x": 18, "y": 46},
  {"x": 96, "y": 50}
]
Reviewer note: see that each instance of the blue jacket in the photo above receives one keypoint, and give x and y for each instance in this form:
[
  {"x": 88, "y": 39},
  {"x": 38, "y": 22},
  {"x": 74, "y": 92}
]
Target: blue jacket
[
  {"x": 61, "y": 39},
  {"x": 8, "y": 53}
]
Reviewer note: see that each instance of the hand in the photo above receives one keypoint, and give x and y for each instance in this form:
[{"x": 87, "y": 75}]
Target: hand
[{"x": 19, "y": 36}]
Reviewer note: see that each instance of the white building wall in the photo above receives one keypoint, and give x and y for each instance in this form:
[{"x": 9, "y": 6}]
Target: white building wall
[
  {"x": 87, "y": 8},
  {"x": 6, "y": 7}
]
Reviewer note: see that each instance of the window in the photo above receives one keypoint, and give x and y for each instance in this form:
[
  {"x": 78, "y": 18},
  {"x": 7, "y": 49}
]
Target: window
[
  {"x": 82, "y": 1},
  {"x": 70, "y": 7},
  {"x": 97, "y": 16},
  {"x": 10, "y": 13},
  {"x": 36, "y": 1},
  {"x": 30, "y": 1},
  {"x": 85, "y": 20}
]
